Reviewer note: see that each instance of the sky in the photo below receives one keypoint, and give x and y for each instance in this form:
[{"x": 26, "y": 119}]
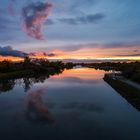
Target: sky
[{"x": 70, "y": 29}]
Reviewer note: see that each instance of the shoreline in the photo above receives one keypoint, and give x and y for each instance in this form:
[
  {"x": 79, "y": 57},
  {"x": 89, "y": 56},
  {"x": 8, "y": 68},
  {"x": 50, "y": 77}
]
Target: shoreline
[{"x": 127, "y": 91}]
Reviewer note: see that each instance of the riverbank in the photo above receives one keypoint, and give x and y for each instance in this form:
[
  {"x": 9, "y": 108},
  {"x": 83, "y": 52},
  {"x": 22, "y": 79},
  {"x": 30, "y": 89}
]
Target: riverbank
[
  {"x": 129, "y": 70},
  {"x": 29, "y": 73},
  {"x": 31, "y": 68},
  {"x": 125, "y": 89}
]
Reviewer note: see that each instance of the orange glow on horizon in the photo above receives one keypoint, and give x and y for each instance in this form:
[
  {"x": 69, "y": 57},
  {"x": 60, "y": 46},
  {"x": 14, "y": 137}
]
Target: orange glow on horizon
[
  {"x": 97, "y": 53},
  {"x": 11, "y": 58},
  {"x": 16, "y": 59}
]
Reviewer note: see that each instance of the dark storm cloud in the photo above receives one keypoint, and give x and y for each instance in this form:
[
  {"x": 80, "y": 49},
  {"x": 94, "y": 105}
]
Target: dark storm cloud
[
  {"x": 8, "y": 51},
  {"x": 91, "y": 18}
]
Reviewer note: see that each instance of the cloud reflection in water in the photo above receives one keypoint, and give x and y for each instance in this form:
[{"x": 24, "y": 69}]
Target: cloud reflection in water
[{"x": 36, "y": 108}]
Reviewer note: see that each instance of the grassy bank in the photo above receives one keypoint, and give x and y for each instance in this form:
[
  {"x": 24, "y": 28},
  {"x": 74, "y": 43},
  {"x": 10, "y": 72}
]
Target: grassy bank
[{"x": 130, "y": 93}]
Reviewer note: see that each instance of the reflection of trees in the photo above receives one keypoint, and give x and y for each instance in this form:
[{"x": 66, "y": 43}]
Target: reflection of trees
[
  {"x": 30, "y": 72},
  {"x": 26, "y": 83},
  {"x": 40, "y": 79},
  {"x": 29, "y": 82},
  {"x": 36, "y": 109},
  {"x": 7, "y": 85}
]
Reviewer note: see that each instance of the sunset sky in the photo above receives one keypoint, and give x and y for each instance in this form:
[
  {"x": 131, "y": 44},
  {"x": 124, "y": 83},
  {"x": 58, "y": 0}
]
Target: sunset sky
[{"x": 74, "y": 29}]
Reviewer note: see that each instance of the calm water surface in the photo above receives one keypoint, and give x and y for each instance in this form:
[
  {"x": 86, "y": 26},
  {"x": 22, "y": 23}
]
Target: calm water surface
[{"x": 75, "y": 105}]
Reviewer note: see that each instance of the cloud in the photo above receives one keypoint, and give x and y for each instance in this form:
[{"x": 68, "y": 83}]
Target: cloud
[
  {"x": 131, "y": 55},
  {"x": 77, "y": 5},
  {"x": 75, "y": 46},
  {"x": 34, "y": 15},
  {"x": 49, "y": 22},
  {"x": 51, "y": 54},
  {"x": 122, "y": 44},
  {"x": 136, "y": 50},
  {"x": 91, "y": 18},
  {"x": 74, "y": 7},
  {"x": 43, "y": 54},
  {"x": 8, "y": 51}
]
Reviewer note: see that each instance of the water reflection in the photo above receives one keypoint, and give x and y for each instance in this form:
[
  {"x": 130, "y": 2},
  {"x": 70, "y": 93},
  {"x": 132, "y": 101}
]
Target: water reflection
[
  {"x": 37, "y": 110},
  {"x": 85, "y": 74},
  {"x": 82, "y": 106},
  {"x": 79, "y": 75},
  {"x": 26, "y": 83},
  {"x": 7, "y": 85},
  {"x": 78, "y": 103}
]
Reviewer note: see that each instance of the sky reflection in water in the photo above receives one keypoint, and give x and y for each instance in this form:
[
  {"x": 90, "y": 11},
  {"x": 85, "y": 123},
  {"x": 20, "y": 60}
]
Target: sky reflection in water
[{"x": 76, "y": 104}]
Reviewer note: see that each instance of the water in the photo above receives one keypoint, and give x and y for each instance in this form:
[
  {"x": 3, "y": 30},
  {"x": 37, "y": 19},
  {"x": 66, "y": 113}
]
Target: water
[{"x": 75, "y": 105}]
